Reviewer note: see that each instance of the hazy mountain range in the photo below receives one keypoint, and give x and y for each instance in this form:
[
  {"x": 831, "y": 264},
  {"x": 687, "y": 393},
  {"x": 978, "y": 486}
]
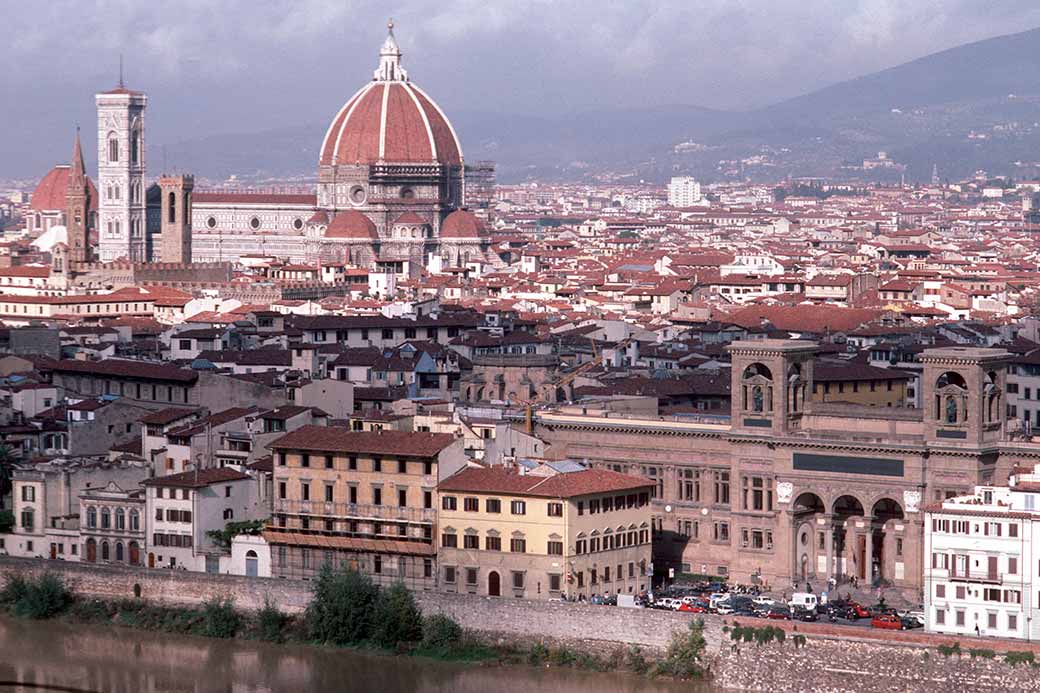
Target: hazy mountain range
[{"x": 974, "y": 106}]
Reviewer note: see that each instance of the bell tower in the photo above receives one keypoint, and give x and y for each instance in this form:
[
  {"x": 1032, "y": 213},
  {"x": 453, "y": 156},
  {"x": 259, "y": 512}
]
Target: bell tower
[
  {"x": 772, "y": 381},
  {"x": 121, "y": 169},
  {"x": 175, "y": 222},
  {"x": 77, "y": 206},
  {"x": 963, "y": 395}
]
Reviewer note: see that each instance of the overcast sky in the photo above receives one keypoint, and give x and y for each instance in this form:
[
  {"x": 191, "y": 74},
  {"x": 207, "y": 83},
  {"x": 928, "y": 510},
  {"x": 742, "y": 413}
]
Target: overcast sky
[{"x": 225, "y": 66}]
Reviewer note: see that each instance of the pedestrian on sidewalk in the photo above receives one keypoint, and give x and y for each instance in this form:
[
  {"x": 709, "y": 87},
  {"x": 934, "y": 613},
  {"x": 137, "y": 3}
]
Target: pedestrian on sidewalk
[{"x": 978, "y": 633}]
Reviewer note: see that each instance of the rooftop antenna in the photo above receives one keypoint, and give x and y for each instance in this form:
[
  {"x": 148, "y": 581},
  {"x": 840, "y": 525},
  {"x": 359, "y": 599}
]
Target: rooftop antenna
[{"x": 121, "y": 85}]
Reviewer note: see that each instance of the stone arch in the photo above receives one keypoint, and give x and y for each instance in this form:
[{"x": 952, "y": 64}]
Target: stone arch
[
  {"x": 950, "y": 406},
  {"x": 884, "y": 509},
  {"x": 992, "y": 397},
  {"x": 847, "y": 505},
  {"x": 757, "y": 389},
  {"x": 808, "y": 501}
]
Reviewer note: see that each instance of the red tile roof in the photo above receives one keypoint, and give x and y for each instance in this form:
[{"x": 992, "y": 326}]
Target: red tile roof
[
  {"x": 197, "y": 479},
  {"x": 334, "y": 439},
  {"x": 564, "y": 485},
  {"x": 126, "y": 369}
]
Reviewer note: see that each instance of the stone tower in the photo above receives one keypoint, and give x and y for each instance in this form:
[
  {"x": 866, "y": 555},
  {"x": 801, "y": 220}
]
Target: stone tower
[
  {"x": 175, "y": 219},
  {"x": 121, "y": 168},
  {"x": 77, "y": 204},
  {"x": 771, "y": 383}
]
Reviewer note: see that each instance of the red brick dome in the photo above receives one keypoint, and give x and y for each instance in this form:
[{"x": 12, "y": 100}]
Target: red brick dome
[
  {"x": 462, "y": 223},
  {"x": 351, "y": 224},
  {"x": 390, "y": 120},
  {"x": 49, "y": 194}
]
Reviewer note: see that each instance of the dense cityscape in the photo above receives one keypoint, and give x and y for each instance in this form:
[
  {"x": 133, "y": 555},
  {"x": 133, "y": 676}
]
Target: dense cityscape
[{"x": 807, "y": 402}]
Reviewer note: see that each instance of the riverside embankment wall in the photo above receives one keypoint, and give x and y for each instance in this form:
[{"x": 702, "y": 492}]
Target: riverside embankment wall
[
  {"x": 835, "y": 658},
  {"x": 515, "y": 617}
]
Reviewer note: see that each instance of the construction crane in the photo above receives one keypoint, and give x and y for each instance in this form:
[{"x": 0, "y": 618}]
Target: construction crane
[{"x": 568, "y": 379}]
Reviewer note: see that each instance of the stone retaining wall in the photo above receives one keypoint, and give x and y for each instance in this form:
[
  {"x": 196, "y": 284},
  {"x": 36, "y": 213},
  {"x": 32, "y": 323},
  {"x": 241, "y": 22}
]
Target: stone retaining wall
[
  {"x": 556, "y": 621},
  {"x": 832, "y": 666}
]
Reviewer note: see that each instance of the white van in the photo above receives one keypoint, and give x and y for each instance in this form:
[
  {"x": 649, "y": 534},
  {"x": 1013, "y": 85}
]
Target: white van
[
  {"x": 804, "y": 600},
  {"x": 717, "y": 598}
]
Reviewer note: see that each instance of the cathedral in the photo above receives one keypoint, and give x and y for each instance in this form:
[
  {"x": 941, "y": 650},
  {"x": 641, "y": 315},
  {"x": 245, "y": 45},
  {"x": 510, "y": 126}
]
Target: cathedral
[{"x": 390, "y": 194}]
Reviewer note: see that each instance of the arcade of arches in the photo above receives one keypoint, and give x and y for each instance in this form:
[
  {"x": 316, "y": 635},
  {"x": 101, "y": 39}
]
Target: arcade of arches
[{"x": 788, "y": 488}]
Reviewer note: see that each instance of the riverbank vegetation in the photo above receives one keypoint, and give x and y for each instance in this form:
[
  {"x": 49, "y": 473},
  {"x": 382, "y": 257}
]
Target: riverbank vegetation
[{"x": 348, "y": 610}]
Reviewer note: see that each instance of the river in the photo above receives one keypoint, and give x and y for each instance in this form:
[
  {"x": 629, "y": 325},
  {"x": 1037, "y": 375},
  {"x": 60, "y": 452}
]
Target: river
[{"x": 54, "y": 656}]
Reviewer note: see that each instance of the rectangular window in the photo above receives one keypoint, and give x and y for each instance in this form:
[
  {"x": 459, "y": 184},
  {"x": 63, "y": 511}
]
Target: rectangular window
[
  {"x": 493, "y": 543},
  {"x": 449, "y": 503},
  {"x": 402, "y": 497},
  {"x": 377, "y": 564},
  {"x": 281, "y": 490},
  {"x": 554, "y": 583},
  {"x": 471, "y": 541},
  {"x": 518, "y": 507},
  {"x": 377, "y": 465},
  {"x": 555, "y": 548},
  {"x": 449, "y": 541},
  {"x": 1012, "y": 621},
  {"x": 305, "y": 491},
  {"x": 991, "y": 620},
  {"x": 328, "y": 462},
  {"x": 449, "y": 574},
  {"x": 518, "y": 580},
  {"x": 556, "y": 509},
  {"x": 352, "y": 494},
  {"x": 427, "y": 499},
  {"x": 1012, "y": 564},
  {"x": 470, "y": 504},
  {"x": 328, "y": 493},
  {"x": 471, "y": 577},
  {"x": 305, "y": 460},
  {"x": 377, "y": 495},
  {"x": 940, "y": 617},
  {"x": 518, "y": 545},
  {"x": 960, "y": 617},
  {"x": 493, "y": 505},
  {"x": 940, "y": 591},
  {"x": 352, "y": 463},
  {"x": 721, "y": 488},
  {"x": 402, "y": 466}
]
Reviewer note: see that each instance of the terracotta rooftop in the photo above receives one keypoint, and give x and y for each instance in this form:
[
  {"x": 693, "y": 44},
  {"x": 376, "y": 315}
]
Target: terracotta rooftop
[
  {"x": 197, "y": 479},
  {"x": 334, "y": 439},
  {"x": 565, "y": 485}
]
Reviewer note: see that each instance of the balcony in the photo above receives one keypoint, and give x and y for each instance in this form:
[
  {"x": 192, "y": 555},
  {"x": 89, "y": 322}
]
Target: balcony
[
  {"x": 977, "y": 576},
  {"x": 355, "y": 511}
]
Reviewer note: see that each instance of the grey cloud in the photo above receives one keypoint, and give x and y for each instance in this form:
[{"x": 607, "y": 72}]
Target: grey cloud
[{"x": 237, "y": 65}]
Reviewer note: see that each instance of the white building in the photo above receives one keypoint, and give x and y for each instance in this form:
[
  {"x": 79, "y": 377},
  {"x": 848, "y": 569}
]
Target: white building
[
  {"x": 182, "y": 508},
  {"x": 684, "y": 191},
  {"x": 981, "y": 571}
]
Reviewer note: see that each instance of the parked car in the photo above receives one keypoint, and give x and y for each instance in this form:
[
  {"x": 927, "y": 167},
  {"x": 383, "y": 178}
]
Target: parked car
[
  {"x": 800, "y": 614},
  {"x": 913, "y": 614},
  {"x": 694, "y": 608},
  {"x": 764, "y": 601},
  {"x": 778, "y": 613},
  {"x": 887, "y": 622},
  {"x": 909, "y": 622},
  {"x": 725, "y": 609}
]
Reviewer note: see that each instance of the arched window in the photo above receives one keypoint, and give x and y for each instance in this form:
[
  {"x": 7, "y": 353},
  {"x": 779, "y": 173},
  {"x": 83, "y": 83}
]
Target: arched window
[
  {"x": 120, "y": 518},
  {"x": 757, "y": 389},
  {"x": 135, "y": 146},
  {"x": 91, "y": 516},
  {"x": 951, "y": 399},
  {"x": 104, "y": 551},
  {"x": 119, "y": 551},
  {"x": 172, "y": 214},
  {"x": 106, "y": 518},
  {"x": 113, "y": 149},
  {"x": 135, "y": 521}
]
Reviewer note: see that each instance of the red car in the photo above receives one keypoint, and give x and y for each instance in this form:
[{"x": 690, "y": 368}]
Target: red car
[
  {"x": 887, "y": 622},
  {"x": 692, "y": 608}
]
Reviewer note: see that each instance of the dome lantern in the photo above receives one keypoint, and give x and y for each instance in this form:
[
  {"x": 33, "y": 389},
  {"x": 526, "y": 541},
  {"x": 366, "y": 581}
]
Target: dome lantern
[{"x": 390, "y": 69}]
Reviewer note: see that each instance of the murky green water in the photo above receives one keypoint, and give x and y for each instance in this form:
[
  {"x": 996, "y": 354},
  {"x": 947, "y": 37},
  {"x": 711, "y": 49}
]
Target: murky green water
[{"x": 50, "y": 656}]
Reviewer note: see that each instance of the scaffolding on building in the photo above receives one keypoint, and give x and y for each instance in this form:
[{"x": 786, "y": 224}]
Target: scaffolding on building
[{"x": 480, "y": 189}]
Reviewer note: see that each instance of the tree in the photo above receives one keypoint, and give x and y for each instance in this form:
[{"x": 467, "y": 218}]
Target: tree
[
  {"x": 222, "y": 537},
  {"x": 341, "y": 610},
  {"x": 397, "y": 619},
  {"x": 683, "y": 660},
  {"x": 7, "y": 459}
]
